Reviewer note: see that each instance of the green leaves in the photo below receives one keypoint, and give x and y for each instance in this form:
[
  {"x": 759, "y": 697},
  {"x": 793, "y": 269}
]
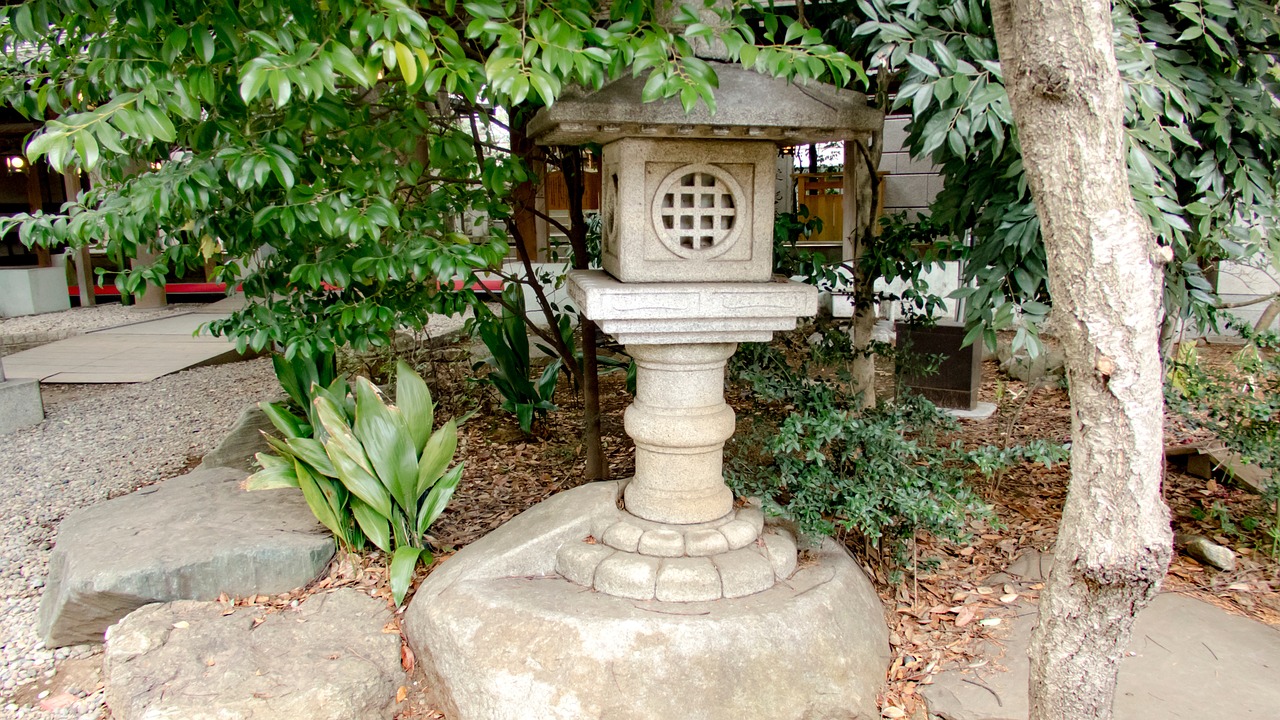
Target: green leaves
[
  {"x": 416, "y": 407},
  {"x": 368, "y": 478},
  {"x": 403, "y": 563},
  {"x": 1204, "y": 138}
]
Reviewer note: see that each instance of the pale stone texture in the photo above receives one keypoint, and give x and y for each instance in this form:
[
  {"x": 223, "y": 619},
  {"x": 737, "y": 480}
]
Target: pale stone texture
[
  {"x": 688, "y": 580},
  {"x": 577, "y": 561},
  {"x": 687, "y": 210},
  {"x": 668, "y": 313},
  {"x": 706, "y": 542},
  {"x": 238, "y": 448},
  {"x": 1206, "y": 551},
  {"x": 501, "y": 637},
  {"x": 661, "y": 543},
  {"x": 192, "y": 537},
  {"x": 1186, "y": 659},
  {"x": 739, "y": 533},
  {"x": 627, "y": 575},
  {"x": 623, "y": 536},
  {"x": 749, "y": 106},
  {"x": 20, "y": 404},
  {"x": 32, "y": 291},
  {"x": 679, "y": 422},
  {"x": 328, "y": 660},
  {"x": 782, "y": 553},
  {"x": 743, "y": 572}
]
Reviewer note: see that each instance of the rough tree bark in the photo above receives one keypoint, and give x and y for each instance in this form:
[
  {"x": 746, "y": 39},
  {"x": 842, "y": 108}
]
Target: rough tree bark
[
  {"x": 861, "y": 185},
  {"x": 597, "y": 465},
  {"x": 1114, "y": 542}
]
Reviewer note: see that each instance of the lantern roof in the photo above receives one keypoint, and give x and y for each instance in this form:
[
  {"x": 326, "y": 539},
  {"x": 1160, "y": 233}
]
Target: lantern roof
[{"x": 751, "y": 106}]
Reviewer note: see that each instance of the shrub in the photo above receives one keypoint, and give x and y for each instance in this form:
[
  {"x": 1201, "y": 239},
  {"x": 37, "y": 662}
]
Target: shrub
[
  {"x": 885, "y": 473},
  {"x": 507, "y": 339},
  {"x": 880, "y": 472},
  {"x": 374, "y": 472},
  {"x": 1241, "y": 406}
]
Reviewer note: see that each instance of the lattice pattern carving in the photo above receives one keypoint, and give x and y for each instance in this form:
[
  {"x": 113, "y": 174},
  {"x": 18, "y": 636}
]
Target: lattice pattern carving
[{"x": 696, "y": 209}]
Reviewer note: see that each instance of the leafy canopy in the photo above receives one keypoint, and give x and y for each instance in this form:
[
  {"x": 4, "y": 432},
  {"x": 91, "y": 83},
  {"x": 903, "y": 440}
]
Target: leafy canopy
[
  {"x": 1202, "y": 81},
  {"x": 332, "y": 157}
]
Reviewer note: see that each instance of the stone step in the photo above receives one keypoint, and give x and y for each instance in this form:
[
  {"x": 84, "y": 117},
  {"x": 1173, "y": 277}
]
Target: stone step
[
  {"x": 189, "y": 538},
  {"x": 330, "y": 659}
]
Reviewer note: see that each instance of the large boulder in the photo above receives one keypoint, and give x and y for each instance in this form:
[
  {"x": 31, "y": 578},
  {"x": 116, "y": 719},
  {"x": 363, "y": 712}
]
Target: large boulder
[
  {"x": 1048, "y": 365},
  {"x": 500, "y": 636},
  {"x": 189, "y": 538},
  {"x": 238, "y": 448},
  {"x": 330, "y": 659}
]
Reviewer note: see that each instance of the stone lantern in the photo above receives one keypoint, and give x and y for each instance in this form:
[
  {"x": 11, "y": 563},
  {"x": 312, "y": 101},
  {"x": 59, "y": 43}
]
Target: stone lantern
[{"x": 660, "y": 596}]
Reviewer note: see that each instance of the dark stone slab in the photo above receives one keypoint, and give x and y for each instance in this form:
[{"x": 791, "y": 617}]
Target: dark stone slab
[{"x": 189, "y": 538}]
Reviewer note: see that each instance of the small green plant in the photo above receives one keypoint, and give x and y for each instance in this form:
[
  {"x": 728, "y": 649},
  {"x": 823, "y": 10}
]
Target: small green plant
[
  {"x": 1241, "y": 406},
  {"x": 302, "y": 378},
  {"x": 885, "y": 473},
  {"x": 377, "y": 472},
  {"x": 510, "y": 364},
  {"x": 880, "y": 472},
  {"x": 788, "y": 229}
]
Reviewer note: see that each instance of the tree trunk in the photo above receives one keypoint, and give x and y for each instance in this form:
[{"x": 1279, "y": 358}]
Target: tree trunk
[
  {"x": 597, "y": 466},
  {"x": 1268, "y": 316},
  {"x": 1114, "y": 542},
  {"x": 862, "y": 366},
  {"x": 72, "y": 185},
  {"x": 861, "y": 185}
]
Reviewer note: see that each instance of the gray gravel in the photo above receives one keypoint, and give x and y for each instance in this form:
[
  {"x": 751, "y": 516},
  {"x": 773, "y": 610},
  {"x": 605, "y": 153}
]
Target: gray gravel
[{"x": 98, "y": 442}]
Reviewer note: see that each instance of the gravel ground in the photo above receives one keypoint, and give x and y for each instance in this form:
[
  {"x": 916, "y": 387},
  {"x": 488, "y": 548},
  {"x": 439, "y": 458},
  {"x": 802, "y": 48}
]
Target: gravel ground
[
  {"x": 30, "y": 330},
  {"x": 97, "y": 442}
]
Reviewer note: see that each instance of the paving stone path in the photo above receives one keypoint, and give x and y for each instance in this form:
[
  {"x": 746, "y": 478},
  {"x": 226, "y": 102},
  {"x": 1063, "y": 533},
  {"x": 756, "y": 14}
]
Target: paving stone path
[{"x": 1187, "y": 659}]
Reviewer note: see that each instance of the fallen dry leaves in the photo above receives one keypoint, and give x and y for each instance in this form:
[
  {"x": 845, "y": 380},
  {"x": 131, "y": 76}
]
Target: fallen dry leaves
[{"x": 947, "y": 613}]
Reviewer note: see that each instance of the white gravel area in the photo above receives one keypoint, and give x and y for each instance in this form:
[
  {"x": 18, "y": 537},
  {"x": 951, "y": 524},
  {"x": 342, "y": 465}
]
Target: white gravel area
[{"x": 97, "y": 442}]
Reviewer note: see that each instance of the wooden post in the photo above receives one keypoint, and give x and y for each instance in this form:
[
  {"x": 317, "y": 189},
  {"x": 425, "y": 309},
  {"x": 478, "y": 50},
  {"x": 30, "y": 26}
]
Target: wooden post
[
  {"x": 35, "y": 203},
  {"x": 84, "y": 263}
]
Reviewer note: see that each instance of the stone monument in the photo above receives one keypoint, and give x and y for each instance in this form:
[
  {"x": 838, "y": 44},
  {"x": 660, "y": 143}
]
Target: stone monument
[
  {"x": 661, "y": 596},
  {"x": 20, "y": 403}
]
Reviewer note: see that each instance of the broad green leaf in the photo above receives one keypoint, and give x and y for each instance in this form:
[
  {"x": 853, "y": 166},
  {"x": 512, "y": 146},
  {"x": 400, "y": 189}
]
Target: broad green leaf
[
  {"x": 272, "y": 478},
  {"x": 387, "y": 444},
  {"x": 438, "y": 499},
  {"x": 266, "y": 460},
  {"x": 284, "y": 421},
  {"x": 317, "y": 501},
  {"x": 436, "y": 456},
  {"x": 405, "y": 61},
  {"x": 312, "y": 452},
  {"x": 413, "y": 397},
  {"x": 278, "y": 445},
  {"x": 375, "y": 527},
  {"x": 403, "y": 562},
  {"x": 359, "y": 480}
]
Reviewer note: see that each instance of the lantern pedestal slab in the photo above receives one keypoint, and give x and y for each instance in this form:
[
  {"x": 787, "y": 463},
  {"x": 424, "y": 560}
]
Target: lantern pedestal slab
[{"x": 501, "y": 635}]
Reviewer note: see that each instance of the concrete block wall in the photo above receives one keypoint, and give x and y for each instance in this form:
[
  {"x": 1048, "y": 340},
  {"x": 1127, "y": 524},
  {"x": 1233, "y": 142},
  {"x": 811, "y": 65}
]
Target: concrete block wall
[
  {"x": 911, "y": 184},
  {"x": 1237, "y": 283},
  {"x": 909, "y": 188},
  {"x": 31, "y": 291}
]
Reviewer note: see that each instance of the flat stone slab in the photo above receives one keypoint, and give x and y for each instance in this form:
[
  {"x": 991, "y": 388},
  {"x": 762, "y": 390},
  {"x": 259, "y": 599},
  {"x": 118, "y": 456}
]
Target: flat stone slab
[
  {"x": 500, "y": 636},
  {"x": 1190, "y": 660},
  {"x": 331, "y": 659},
  {"x": 138, "y": 352},
  {"x": 189, "y": 538}
]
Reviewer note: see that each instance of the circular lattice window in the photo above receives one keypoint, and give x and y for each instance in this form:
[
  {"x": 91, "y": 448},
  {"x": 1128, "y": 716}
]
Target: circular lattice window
[{"x": 695, "y": 211}]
